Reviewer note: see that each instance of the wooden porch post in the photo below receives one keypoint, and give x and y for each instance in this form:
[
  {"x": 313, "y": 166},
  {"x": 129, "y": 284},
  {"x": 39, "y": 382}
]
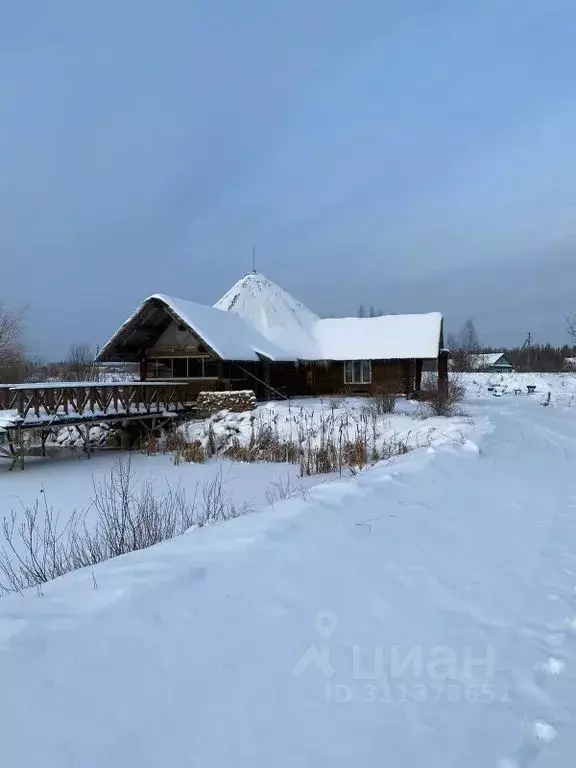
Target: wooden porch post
[
  {"x": 143, "y": 369},
  {"x": 267, "y": 379},
  {"x": 406, "y": 376},
  {"x": 418, "y": 378},
  {"x": 443, "y": 372}
]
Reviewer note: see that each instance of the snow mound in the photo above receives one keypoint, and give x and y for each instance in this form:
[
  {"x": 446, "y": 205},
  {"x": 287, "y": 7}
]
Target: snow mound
[{"x": 274, "y": 312}]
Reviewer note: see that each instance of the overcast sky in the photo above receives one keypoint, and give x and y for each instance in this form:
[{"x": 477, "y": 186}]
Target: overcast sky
[{"x": 413, "y": 155}]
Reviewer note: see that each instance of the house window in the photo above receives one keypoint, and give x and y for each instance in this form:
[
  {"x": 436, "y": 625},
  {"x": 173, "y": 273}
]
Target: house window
[
  {"x": 160, "y": 369},
  {"x": 210, "y": 368},
  {"x": 183, "y": 368},
  {"x": 357, "y": 372},
  {"x": 195, "y": 369},
  {"x": 179, "y": 367}
]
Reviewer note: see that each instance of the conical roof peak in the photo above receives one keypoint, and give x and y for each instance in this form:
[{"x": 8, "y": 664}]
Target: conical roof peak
[{"x": 269, "y": 308}]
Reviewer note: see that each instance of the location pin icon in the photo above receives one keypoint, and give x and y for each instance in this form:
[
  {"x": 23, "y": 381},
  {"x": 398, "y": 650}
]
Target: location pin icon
[{"x": 326, "y": 623}]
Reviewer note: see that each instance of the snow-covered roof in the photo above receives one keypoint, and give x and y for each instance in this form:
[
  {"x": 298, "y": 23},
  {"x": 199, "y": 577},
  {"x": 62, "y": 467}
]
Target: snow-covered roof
[
  {"x": 229, "y": 335},
  {"x": 289, "y": 323},
  {"x": 387, "y": 337},
  {"x": 273, "y": 312},
  {"x": 258, "y": 318}
]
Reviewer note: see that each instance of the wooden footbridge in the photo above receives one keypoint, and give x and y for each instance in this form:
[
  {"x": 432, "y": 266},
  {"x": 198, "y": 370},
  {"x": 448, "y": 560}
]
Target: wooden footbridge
[{"x": 46, "y": 406}]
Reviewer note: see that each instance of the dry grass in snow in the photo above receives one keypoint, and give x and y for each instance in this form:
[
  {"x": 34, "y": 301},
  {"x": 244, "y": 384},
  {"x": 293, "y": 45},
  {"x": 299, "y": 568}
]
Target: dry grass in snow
[{"x": 319, "y": 435}]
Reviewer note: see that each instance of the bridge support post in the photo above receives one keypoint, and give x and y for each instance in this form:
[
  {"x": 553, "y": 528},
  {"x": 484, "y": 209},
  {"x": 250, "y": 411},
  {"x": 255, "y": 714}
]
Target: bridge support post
[
  {"x": 21, "y": 445},
  {"x": 43, "y": 437},
  {"x": 87, "y": 441}
]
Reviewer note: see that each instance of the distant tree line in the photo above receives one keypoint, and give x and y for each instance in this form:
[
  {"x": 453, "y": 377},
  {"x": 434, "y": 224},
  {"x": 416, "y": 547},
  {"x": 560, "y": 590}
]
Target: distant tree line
[
  {"x": 371, "y": 311},
  {"x": 465, "y": 346},
  {"x": 539, "y": 357}
]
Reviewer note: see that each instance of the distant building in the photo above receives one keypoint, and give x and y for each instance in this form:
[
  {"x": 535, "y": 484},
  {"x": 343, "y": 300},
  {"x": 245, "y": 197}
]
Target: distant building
[{"x": 492, "y": 362}]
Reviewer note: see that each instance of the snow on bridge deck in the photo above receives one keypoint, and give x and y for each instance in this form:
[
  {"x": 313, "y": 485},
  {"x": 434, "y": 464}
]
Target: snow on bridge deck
[{"x": 45, "y": 404}]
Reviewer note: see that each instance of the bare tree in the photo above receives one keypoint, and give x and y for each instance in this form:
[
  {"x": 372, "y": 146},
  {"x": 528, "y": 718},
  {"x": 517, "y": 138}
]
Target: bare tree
[
  {"x": 469, "y": 337},
  {"x": 80, "y": 364},
  {"x": 452, "y": 342},
  {"x": 11, "y": 348},
  {"x": 462, "y": 360},
  {"x": 571, "y": 322}
]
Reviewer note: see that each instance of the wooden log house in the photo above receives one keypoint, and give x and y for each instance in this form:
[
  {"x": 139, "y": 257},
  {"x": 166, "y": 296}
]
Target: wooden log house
[{"x": 258, "y": 337}]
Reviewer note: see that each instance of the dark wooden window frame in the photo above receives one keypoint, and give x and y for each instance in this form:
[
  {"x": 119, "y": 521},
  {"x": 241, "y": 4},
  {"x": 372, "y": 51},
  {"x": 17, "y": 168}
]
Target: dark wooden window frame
[
  {"x": 357, "y": 371},
  {"x": 167, "y": 360}
]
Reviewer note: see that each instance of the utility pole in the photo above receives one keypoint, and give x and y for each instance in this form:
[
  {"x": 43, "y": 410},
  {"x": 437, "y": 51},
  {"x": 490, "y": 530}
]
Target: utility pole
[
  {"x": 528, "y": 346},
  {"x": 253, "y": 260}
]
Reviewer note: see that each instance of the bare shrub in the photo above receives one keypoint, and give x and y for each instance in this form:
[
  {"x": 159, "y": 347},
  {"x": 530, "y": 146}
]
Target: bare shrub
[
  {"x": 381, "y": 402},
  {"x": 396, "y": 446},
  {"x": 34, "y": 551},
  {"x": 282, "y": 489},
  {"x": 215, "y": 504},
  {"x": 184, "y": 450},
  {"x": 191, "y": 452},
  {"x": 354, "y": 454},
  {"x": 130, "y": 515},
  {"x": 463, "y": 360},
  {"x": 264, "y": 444},
  {"x": 447, "y": 403},
  {"x": 238, "y": 451}
]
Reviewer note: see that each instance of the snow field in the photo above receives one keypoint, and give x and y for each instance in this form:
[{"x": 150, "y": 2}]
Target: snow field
[
  {"x": 421, "y": 613},
  {"x": 562, "y": 386}
]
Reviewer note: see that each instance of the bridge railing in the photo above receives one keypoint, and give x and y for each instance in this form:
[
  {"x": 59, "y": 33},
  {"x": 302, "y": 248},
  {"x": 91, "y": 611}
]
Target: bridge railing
[
  {"x": 93, "y": 398},
  {"x": 4, "y": 396}
]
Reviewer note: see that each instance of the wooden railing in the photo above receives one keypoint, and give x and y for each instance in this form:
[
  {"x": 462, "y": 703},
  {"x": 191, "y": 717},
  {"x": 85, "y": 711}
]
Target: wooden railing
[
  {"x": 4, "y": 396},
  {"x": 84, "y": 399}
]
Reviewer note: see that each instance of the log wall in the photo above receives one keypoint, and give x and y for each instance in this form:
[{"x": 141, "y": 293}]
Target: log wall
[{"x": 396, "y": 377}]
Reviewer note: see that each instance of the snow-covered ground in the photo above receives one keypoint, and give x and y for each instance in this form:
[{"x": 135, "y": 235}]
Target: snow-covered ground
[
  {"x": 67, "y": 483},
  {"x": 422, "y": 613},
  {"x": 562, "y": 386}
]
